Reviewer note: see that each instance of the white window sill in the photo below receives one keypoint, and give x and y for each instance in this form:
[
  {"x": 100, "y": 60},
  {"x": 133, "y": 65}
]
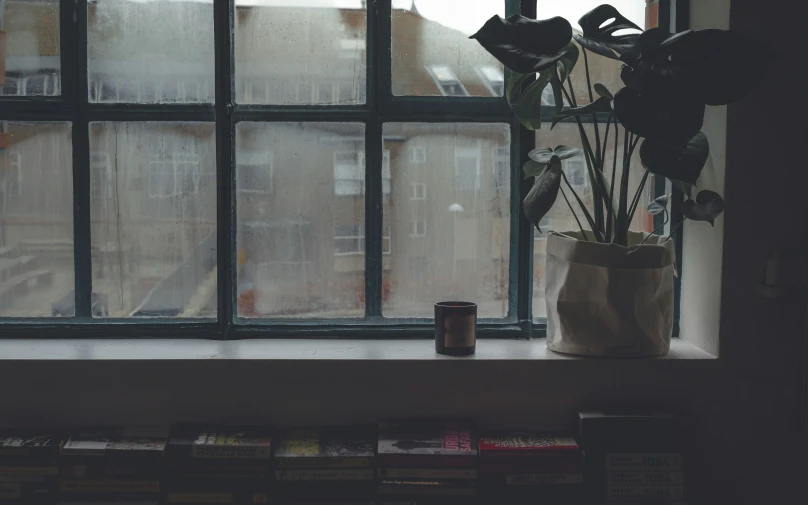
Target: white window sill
[{"x": 298, "y": 350}]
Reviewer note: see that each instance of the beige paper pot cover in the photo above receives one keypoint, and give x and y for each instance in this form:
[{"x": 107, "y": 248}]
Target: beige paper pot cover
[{"x": 609, "y": 300}]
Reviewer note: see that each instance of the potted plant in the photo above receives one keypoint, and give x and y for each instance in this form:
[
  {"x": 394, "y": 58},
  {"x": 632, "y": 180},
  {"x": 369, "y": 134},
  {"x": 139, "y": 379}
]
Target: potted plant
[{"x": 609, "y": 290}]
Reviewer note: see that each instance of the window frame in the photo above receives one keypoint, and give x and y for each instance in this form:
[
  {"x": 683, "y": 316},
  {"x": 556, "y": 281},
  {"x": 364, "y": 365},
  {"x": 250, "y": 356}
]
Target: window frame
[{"x": 380, "y": 106}]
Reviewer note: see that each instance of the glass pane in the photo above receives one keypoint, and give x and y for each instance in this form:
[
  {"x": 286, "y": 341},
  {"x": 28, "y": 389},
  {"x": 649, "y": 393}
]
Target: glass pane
[
  {"x": 29, "y": 48},
  {"x": 154, "y": 51},
  {"x": 300, "y": 52},
  {"x": 36, "y": 220},
  {"x": 560, "y": 217},
  {"x": 432, "y": 52},
  {"x": 601, "y": 69},
  {"x": 301, "y": 248},
  {"x": 153, "y": 194},
  {"x": 453, "y": 242}
]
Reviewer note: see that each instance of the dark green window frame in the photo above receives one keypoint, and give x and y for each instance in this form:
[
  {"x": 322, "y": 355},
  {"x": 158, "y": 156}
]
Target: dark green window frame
[{"x": 381, "y": 107}]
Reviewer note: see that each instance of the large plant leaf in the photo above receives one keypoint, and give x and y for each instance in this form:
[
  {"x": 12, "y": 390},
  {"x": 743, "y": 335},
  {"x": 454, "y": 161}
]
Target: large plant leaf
[
  {"x": 602, "y": 104},
  {"x": 602, "y": 91},
  {"x": 684, "y": 187},
  {"x": 546, "y": 154},
  {"x": 565, "y": 66},
  {"x": 599, "y": 26},
  {"x": 525, "y": 45},
  {"x": 669, "y": 121},
  {"x": 543, "y": 194},
  {"x": 659, "y": 204},
  {"x": 512, "y": 89},
  {"x": 533, "y": 168},
  {"x": 528, "y": 108},
  {"x": 676, "y": 163},
  {"x": 707, "y": 206}
]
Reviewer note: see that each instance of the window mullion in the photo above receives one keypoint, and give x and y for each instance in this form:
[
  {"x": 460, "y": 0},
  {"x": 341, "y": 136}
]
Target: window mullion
[
  {"x": 225, "y": 132},
  {"x": 75, "y": 89}
]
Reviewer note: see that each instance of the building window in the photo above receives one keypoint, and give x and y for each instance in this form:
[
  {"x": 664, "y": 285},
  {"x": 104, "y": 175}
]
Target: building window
[
  {"x": 418, "y": 228},
  {"x": 102, "y": 183},
  {"x": 467, "y": 169},
  {"x": 255, "y": 170},
  {"x": 418, "y": 191},
  {"x": 447, "y": 81},
  {"x": 417, "y": 154},
  {"x": 172, "y": 173},
  {"x": 502, "y": 168},
  {"x": 576, "y": 172},
  {"x": 350, "y": 239},
  {"x": 493, "y": 78},
  {"x": 349, "y": 173},
  {"x": 15, "y": 176}
]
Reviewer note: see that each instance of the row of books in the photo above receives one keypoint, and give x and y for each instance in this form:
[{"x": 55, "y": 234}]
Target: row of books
[{"x": 613, "y": 457}]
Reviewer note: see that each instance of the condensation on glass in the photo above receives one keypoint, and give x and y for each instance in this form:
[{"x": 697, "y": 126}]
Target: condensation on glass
[
  {"x": 560, "y": 217},
  {"x": 155, "y": 51},
  {"x": 36, "y": 220},
  {"x": 29, "y": 48},
  {"x": 153, "y": 212},
  {"x": 449, "y": 215},
  {"x": 432, "y": 54},
  {"x": 300, "y": 190},
  {"x": 308, "y": 52}
]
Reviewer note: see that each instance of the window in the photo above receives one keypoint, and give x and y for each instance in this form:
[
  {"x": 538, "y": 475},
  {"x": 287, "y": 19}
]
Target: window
[
  {"x": 417, "y": 191},
  {"x": 493, "y": 78},
  {"x": 467, "y": 169},
  {"x": 447, "y": 81},
  {"x": 349, "y": 173},
  {"x": 255, "y": 170},
  {"x": 546, "y": 224},
  {"x": 244, "y": 171},
  {"x": 15, "y": 174},
  {"x": 417, "y": 154},
  {"x": 418, "y": 228}
]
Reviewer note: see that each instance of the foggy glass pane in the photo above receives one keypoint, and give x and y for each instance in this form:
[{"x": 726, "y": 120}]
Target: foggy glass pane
[
  {"x": 450, "y": 241},
  {"x": 300, "y": 52},
  {"x": 36, "y": 220},
  {"x": 29, "y": 48},
  {"x": 432, "y": 52},
  {"x": 560, "y": 217},
  {"x": 153, "y": 51},
  {"x": 300, "y": 191},
  {"x": 153, "y": 211}
]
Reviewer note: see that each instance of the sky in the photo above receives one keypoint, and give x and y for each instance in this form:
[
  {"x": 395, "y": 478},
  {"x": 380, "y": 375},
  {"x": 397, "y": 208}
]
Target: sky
[{"x": 468, "y": 15}]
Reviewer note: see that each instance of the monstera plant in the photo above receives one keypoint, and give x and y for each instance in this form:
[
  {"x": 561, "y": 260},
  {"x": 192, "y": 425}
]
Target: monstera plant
[
  {"x": 609, "y": 290},
  {"x": 669, "y": 79}
]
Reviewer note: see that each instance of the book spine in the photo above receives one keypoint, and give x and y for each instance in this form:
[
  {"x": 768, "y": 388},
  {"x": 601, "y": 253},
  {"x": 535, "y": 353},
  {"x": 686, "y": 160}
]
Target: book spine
[
  {"x": 656, "y": 493},
  {"x": 323, "y": 462},
  {"x": 643, "y": 461},
  {"x": 425, "y": 461},
  {"x": 199, "y": 498},
  {"x": 29, "y": 470},
  {"x": 109, "y": 486},
  {"x": 320, "y": 475},
  {"x": 10, "y": 491},
  {"x": 540, "y": 479},
  {"x": 230, "y": 452},
  {"x": 427, "y": 473},
  {"x": 644, "y": 478},
  {"x": 548, "y": 455}
]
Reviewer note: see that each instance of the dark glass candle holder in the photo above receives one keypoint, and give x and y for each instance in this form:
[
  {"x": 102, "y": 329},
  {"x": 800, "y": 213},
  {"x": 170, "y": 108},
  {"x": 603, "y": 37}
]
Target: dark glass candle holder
[{"x": 455, "y": 328}]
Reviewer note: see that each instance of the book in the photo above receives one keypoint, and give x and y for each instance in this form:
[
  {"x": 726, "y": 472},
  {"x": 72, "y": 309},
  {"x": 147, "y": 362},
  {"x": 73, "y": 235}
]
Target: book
[
  {"x": 649, "y": 430},
  {"x": 23, "y": 446},
  {"x": 217, "y": 497},
  {"x": 356, "y": 474},
  {"x": 489, "y": 467},
  {"x": 427, "y": 443},
  {"x": 195, "y": 441},
  {"x": 646, "y": 461},
  {"x": 431, "y": 487},
  {"x": 644, "y": 478},
  {"x": 148, "y": 441},
  {"x": 344, "y": 447},
  {"x": 108, "y": 486},
  {"x": 522, "y": 444},
  {"x": 427, "y": 473},
  {"x": 644, "y": 493}
]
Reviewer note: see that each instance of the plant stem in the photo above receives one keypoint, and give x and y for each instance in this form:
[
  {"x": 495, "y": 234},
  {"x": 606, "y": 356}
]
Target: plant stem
[
  {"x": 587, "y": 215},
  {"x": 594, "y": 114},
  {"x": 583, "y": 232},
  {"x": 673, "y": 230},
  {"x": 620, "y": 236},
  {"x": 610, "y": 235},
  {"x": 635, "y": 201},
  {"x": 667, "y": 217}
]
